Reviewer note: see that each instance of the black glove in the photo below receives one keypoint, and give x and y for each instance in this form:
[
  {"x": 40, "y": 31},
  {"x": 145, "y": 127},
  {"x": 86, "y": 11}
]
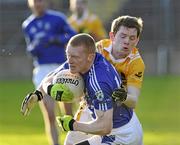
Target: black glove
[{"x": 119, "y": 94}]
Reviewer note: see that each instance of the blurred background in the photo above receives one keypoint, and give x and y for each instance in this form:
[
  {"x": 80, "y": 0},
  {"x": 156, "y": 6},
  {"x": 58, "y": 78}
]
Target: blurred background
[
  {"x": 158, "y": 108},
  {"x": 159, "y": 44}
]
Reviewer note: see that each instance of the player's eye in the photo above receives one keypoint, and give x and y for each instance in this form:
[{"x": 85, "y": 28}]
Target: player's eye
[
  {"x": 123, "y": 36},
  {"x": 132, "y": 38}
]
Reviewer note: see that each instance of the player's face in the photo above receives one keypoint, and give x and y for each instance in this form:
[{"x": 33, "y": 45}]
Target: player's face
[
  {"x": 79, "y": 6},
  {"x": 38, "y": 6},
  {"x": 77, "y": 58},
  {"x": 124, "y": 40}
]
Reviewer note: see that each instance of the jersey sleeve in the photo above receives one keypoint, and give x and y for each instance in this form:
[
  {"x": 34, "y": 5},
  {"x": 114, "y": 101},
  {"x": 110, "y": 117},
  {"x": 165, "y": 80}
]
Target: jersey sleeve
[
  {"x": 32, "y": 46},
  {"x": 65, "y": 30},
  {"x": 136, "y": 73}
]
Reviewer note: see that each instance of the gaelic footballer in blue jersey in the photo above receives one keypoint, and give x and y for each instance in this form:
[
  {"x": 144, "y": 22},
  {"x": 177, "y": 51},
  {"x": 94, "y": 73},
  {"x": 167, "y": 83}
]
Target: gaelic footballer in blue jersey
[
  {"x": 46, "y": 33},
  {"x": 46, "y": 36},
  {"x": 111, "y": 123}
]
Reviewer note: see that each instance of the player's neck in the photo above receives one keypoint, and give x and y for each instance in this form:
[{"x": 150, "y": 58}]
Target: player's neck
[{"x": 39, "y": 14}]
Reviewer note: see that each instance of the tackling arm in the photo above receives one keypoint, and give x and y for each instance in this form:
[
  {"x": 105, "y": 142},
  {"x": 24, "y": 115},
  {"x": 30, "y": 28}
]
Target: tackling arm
[{"x": 132, "y": 96}]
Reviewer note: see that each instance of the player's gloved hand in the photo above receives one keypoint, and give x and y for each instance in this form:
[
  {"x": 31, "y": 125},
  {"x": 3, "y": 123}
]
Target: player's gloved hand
[
  {"x": 29, "y": 101},
  {"x": 60, "y": 92},
  {"x": 119, "y": 94},
  {"x": 66, "y": 122}
]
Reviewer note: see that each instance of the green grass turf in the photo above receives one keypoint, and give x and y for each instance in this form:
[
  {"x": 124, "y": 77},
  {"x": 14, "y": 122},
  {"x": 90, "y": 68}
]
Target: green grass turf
[{"x": 158, "y": 110}]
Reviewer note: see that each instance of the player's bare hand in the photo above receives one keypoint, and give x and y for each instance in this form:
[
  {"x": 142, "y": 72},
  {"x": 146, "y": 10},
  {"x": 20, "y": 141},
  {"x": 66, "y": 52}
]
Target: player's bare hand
[{"x": 29, "y": 101}]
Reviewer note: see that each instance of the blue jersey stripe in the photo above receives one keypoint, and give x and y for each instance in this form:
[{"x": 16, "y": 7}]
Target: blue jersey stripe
[
  {"x": 92, "y": 85},
  {"x": 93, "y": 81},
  {"x": 117, "y": 79}
]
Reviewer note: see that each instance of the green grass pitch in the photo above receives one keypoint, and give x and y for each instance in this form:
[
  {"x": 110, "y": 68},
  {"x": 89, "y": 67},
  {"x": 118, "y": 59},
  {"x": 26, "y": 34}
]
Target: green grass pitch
[{"x": 158, "y": 110}]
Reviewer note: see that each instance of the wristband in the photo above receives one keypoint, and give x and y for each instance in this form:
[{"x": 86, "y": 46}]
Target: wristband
[
  {"x": 39, "y": 95},
  {"x": 71, "y": 124}
]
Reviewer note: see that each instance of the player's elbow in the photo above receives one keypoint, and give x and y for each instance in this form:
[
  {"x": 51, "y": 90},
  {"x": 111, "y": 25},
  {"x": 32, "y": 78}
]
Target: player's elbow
[
  {"x": 106, "y": 129},
  {"x": 105, "y": 132}
]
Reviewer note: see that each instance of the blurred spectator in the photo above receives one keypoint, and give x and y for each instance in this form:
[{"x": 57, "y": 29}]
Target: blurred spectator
[
  {"x": 83, "y": 21},
  {"x": 46, "y": 33}
]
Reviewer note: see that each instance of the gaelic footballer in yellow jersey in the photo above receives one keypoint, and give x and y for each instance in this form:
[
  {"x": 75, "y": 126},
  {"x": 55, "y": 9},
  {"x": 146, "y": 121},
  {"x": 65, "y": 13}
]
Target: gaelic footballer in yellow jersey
[
  {"x": 121, "y": 51},
  {"x": 83, "y": 21},
  {"x": 131, "y": 68}
]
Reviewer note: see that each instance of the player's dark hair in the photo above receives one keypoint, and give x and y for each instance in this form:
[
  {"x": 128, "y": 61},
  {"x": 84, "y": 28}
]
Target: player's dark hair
[
  {"x": 127, "y": 21},
  {"x": 83, "y": 39}
]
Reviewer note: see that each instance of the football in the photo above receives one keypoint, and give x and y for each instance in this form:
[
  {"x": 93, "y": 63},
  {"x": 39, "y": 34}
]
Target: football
[{"x": 73, "y": 81}]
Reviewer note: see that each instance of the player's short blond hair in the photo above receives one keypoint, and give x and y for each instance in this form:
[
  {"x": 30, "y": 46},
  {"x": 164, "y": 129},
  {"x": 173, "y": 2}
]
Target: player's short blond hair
[
  {"x": 127, "y": 21},
  {"x": 83, "y": 39}
]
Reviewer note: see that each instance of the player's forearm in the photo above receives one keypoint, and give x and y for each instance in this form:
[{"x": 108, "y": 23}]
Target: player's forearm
[
  {"x": 132, "y": 96},
  {"x": 131, "y": 101},
  {"x": 94, "y": 127},
  {"x": 101, "y": 126}
]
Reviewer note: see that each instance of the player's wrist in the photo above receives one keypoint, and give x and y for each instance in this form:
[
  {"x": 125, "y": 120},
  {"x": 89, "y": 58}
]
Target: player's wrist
[
  {"x": 49, "y": 89},
  {"x": 71, "y": 124},
  {"x": 39, "y": 95}
]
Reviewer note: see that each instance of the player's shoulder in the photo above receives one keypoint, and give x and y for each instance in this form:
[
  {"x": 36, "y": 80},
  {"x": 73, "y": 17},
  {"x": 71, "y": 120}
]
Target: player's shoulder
[
  {"x": 101, "y": 63},
  {"x": 28, "y": 20},
  {"x": 103, "y": 45},
  {"x": 104, "y": 42},
  {"x": 135, "y": 54},
  {"x": 55, "y": 13}
]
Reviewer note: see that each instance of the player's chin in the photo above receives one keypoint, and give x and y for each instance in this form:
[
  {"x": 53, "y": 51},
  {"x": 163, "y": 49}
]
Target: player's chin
[
  {"x": 125, "y": 51},
  {"x": 73, "y": 70}
]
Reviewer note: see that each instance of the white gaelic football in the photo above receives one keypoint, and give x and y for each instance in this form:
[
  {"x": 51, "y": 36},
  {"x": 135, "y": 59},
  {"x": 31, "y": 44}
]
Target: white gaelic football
[{"x": 73, "y": 81}]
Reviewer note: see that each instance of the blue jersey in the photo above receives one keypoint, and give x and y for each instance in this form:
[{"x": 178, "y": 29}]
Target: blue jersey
[
  {"x": 100, "y": 82},
  {"x": 46, "y": 37}
]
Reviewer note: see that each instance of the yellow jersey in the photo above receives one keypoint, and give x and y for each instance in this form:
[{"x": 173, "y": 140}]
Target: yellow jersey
[
  {"x": 89, "y": 23},
  {"x": 131, "y": 68}
]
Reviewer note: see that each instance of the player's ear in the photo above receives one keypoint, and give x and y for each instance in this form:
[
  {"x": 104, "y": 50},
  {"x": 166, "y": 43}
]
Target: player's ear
[
  {"x": 91, "y": 56},
  {"x": 137, "y": 41},
  {"x": 111, "y": 36}
]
